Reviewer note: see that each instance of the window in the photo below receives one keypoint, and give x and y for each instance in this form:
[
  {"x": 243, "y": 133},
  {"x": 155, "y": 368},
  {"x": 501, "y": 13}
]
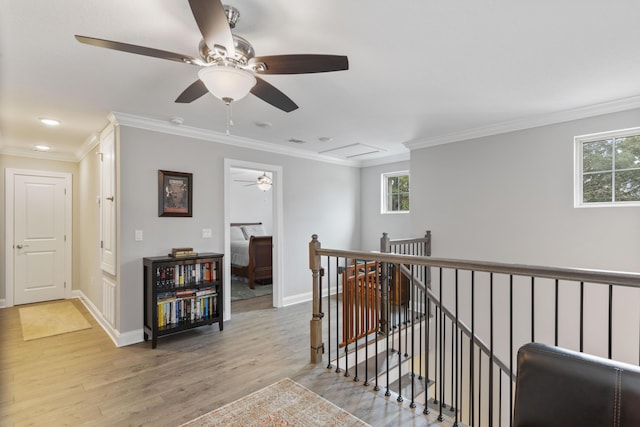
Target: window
[
  {"x": 395, "y": 192},
  {"x": 608, "y": 169}
]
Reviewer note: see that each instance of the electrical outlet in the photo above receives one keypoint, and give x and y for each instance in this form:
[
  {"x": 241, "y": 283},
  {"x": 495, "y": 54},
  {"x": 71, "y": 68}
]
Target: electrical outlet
[
  {"x": 138, "y": 235},
  {"x": 206, "y": 233}
]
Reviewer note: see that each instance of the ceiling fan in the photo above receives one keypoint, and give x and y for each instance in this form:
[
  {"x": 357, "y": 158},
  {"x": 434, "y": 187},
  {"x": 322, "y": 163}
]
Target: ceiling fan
[
  {"x": 229, "y": 67},
  {"x": 263, "y": 182}
]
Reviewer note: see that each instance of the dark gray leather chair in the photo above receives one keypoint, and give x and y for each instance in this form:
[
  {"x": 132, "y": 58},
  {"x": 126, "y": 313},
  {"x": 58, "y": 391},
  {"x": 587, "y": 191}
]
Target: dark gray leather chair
[{"x": 563, "y": 388}]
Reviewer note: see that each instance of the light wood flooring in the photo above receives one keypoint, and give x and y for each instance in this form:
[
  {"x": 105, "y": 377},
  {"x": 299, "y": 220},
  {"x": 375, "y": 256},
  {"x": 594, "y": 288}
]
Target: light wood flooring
[{"x": 81, "y": 378}]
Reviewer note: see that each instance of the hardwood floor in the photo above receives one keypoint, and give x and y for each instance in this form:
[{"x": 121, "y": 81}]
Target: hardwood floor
[{"x": 81, "y": 378}]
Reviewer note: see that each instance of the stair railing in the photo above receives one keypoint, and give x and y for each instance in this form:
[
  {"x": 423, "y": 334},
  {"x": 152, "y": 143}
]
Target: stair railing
[
  {"x": 413, "y": 246},
  {"x": 459, "y": 324}
]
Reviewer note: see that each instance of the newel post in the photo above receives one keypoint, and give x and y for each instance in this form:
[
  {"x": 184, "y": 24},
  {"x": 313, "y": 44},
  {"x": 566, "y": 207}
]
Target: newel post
[
  {"x": 315, "y": 326},
  {"x": 427, "y": 252},
  {"x": 385, "y": 247}
]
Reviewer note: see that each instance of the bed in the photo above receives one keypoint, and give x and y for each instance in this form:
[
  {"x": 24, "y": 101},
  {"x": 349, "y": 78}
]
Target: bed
[{"x": 251, "y": 252}]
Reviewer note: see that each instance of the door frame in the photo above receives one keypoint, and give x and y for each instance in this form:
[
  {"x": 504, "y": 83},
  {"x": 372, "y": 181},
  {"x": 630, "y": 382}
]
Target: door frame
[
  {"x": 277, "y": 230},
  {"x": 10, "y": 174}
]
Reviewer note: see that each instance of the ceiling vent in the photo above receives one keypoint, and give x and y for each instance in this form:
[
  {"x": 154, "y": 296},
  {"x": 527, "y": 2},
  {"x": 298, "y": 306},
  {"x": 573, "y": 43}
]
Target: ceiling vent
[{"x": 352, "y": 150}]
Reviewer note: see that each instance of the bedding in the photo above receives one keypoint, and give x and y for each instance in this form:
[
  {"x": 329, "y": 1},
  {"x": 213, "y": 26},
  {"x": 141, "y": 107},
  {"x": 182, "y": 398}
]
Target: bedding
[
  {"x": 240, "y": 252},
  {"x": 253, "y": 230},
  {"x": 237, "y": 234}
]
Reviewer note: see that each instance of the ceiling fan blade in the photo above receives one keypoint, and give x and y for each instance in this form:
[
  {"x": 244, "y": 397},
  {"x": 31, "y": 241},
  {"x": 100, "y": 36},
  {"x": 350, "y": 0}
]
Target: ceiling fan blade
[
  {"x": 300, "y": 64},
  {"x": 271, "y": 95},
  {"x": 193, "y": 92},
  {"x": 212, "y": 22},
  {"x": 140, "y": 50}
]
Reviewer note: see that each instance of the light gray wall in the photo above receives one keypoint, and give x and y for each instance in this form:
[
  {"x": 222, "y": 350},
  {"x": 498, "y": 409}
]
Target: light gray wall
[
  {"x": 318, "y": 198},
  {"x": 509, "y": 198},
  {"x": 373, "y": 223}
]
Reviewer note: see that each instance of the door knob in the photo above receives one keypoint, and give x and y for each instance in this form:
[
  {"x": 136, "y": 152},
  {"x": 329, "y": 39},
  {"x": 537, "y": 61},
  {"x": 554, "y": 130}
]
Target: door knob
[
  {"x": 109, "y": 198},
  {"x": 22, "y": 246}
]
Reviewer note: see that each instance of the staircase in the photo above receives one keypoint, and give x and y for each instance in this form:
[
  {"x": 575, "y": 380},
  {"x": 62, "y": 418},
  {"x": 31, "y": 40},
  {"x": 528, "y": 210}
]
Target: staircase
[
  {"x": 440, "y": 336},
  {"x": 399, "y": 374}
]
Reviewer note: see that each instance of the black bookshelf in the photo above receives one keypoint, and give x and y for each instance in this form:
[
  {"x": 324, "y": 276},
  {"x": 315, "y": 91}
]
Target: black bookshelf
[{"x": 182, "y": 293}]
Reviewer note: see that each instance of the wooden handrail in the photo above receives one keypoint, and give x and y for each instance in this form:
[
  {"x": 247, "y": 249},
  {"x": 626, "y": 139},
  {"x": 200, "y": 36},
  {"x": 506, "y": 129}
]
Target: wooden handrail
[
  {"x": 406, "y": 241},
  {"x": 573, "y": 274}
]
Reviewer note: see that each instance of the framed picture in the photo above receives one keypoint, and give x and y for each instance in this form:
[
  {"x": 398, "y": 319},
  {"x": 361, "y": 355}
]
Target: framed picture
[{"x": 175, "y": 194}]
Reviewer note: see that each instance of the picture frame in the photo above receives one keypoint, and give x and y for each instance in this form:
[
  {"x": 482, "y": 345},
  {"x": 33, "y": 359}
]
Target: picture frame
[{"x": 175, "y": 194}]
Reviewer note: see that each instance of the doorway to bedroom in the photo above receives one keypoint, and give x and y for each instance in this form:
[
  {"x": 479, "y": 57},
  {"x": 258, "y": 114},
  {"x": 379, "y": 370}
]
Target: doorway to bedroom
[{"x": 253, "y": 227}]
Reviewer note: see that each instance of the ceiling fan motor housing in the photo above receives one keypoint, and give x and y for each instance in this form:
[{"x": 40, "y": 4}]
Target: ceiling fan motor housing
[{"x": 218, "y": 55}]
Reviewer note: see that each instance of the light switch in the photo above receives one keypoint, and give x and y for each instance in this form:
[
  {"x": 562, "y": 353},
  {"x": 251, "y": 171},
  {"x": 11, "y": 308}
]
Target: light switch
[
  {"x": 138, "y": 235},
  {"x": 206, "y": 233}
]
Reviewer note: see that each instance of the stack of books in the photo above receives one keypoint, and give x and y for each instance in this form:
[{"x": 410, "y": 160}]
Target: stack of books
[{"x": 182, "y": 252}]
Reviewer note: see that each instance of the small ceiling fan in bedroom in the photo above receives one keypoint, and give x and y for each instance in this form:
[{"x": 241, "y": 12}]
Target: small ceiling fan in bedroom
[
  {"x": 263, "y": 182},
  {"x": 229, "y": 67}
]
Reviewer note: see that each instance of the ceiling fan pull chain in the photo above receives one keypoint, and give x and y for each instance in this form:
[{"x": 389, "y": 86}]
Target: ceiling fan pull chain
[{"x": 229, "y": 119}]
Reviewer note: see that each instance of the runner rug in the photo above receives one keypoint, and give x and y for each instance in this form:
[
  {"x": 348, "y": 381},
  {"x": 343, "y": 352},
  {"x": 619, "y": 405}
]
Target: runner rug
[
  {"x": 285, "y": 403},
  {"x": 45, "y": 320}
]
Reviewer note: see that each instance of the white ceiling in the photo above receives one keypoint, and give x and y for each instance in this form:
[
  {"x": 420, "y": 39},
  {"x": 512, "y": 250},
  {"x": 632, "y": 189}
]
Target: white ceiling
[{"x": 421, "y": 72}]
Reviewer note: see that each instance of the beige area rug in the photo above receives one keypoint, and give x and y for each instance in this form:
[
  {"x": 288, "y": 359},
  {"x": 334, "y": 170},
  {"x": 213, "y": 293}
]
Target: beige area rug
[
  {"x": 45, "y": 320},
  {"x": 285, "y": 403}
]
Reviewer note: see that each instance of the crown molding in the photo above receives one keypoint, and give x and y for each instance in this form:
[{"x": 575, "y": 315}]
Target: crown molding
[
  {"x": 615, "y": 106},
  {"x": 208, "y": 135},
  {"x": 88, "y": 145},
  {"x": 32, "y": 154}
]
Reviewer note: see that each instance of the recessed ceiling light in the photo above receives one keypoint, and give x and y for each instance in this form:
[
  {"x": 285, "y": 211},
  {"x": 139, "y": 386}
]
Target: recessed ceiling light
[
  {"x": 177, "y": 120},
  {"x": 264, "y": 124},
  {"x": 296, "y": 141},
  {"x": 325, "y": 139},
  {"x": 49, "y": 122},
  {"x": 42, "y": 147}
]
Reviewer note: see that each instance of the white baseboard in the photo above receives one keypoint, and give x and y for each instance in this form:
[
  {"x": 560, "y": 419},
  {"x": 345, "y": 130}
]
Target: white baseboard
[
  {"x": 297, "y": 299},
  {"x": 307, "y": 296},
  {"x": 2, "y": 303},
  {"x": 119, "y": 339},
  {"x": 131, "y": 337}
]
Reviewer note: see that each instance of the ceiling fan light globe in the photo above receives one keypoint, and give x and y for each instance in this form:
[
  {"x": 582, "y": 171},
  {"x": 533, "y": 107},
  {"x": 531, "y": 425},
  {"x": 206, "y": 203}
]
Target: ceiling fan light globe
[
  {"x": 264, "y": 186},
  {"x": 227, "y": 83},
  {"x": 264, "y": 182}
]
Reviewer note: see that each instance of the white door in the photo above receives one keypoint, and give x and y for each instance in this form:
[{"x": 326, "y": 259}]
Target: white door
[
  {"x": 107, "y": 199},
  {"x": 39, "y": 222}
]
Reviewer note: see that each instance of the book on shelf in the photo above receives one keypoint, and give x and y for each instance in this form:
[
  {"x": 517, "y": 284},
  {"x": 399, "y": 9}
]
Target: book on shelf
[
  {"x": 183, "y": 254},
  {"x": 187, "y": 310},
  {"x": 185, "y": 293},
  {"x": 205, "y": 291},
  {"x": 174, "y": 250},
  {"x": 183, "y": 275}
]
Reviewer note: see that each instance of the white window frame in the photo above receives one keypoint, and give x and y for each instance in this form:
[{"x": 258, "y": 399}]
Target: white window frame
[
  {"x": 384, "y": 177},
  {"x": 579, "y": 141}
]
